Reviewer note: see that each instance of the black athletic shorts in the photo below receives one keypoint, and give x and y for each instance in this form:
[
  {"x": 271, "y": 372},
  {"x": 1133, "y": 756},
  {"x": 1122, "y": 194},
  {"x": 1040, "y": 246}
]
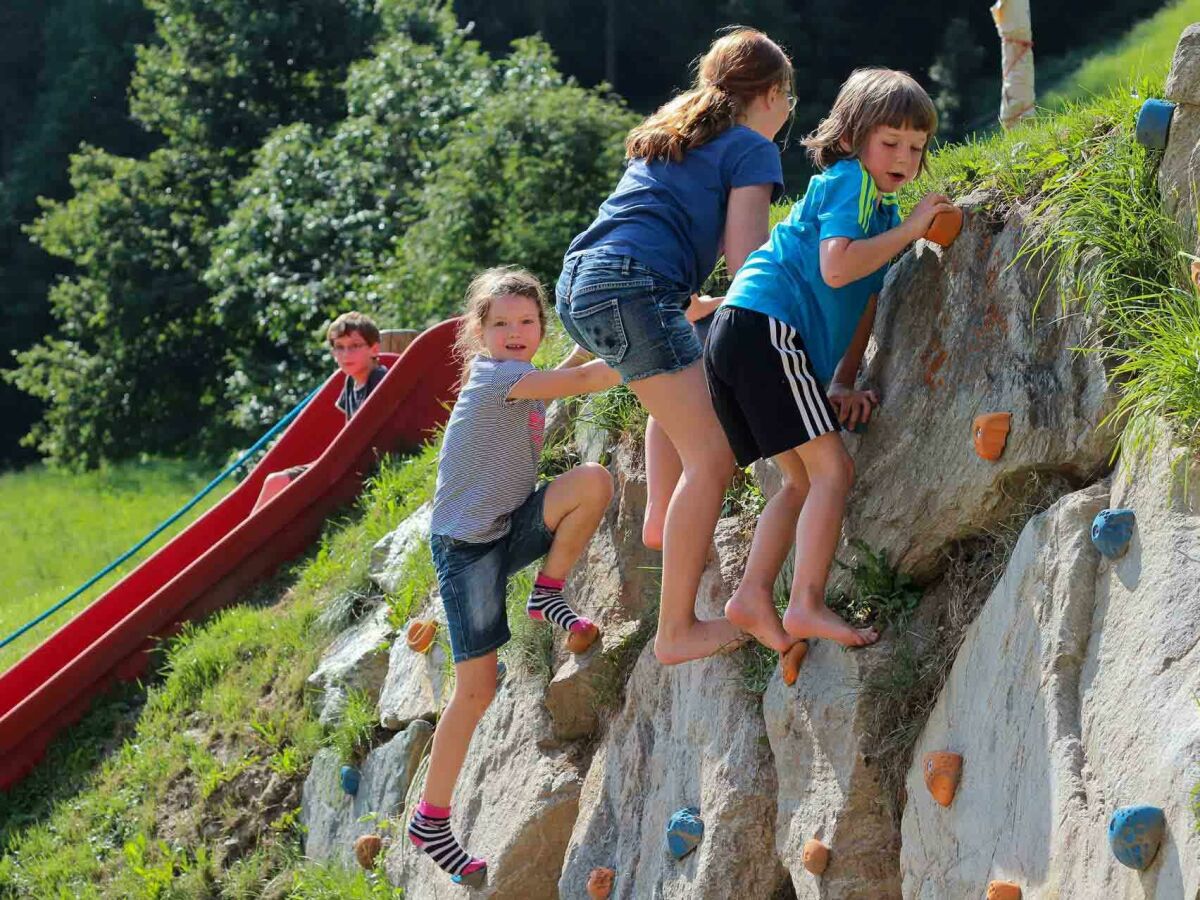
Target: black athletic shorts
[{"x": 762, "y": 385}]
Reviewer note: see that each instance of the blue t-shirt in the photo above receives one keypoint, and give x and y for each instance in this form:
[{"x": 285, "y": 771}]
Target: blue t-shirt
[
  {"x": 670, "y": 216},
  {"x": 783, "y": 277}
]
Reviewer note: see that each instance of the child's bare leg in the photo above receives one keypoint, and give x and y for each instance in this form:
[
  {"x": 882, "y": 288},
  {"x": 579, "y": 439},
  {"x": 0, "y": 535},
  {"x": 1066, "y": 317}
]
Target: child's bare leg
[
  {"x": 429, "y": 828},
  {"x": 663, "y": 468},
  {"x": 575, "y": 504},
  {"x": 829, "y": 475},
  {"x": 272, "y": 485},
  {"x": 752, "y": 606},
  {"x": 680, "y": 402}
]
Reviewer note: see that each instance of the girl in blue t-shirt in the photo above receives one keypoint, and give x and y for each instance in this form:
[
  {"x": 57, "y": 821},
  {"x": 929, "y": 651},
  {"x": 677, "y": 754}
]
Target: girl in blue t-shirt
[
  {"x": 796, "y": 319},
  {"x": 701, "y": 175}
]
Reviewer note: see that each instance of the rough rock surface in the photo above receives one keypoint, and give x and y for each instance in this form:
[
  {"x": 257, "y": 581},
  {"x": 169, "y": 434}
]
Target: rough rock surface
[
  {"x": 389, "y": 553},
  {"x": 688, "y": 735},
  {"x": 416, "y": 685},
  {"x": 1073, "y": 694},
  {"x": 331, "y": 816},
  {"x": 354, "y": 661},
  {"x": 516, "y": 800},
  {"x": 1179, "y": 171},
  {"x": 956, "y": 335}
]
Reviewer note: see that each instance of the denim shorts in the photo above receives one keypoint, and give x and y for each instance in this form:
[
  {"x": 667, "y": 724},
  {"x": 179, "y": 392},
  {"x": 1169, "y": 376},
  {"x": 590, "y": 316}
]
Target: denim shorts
[
  {"x": 627, "y": 314},
  {"x": 473, "y": 578}
]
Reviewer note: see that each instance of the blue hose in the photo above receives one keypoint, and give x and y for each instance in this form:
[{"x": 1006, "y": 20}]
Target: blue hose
[{"x": 207, "y": 489}]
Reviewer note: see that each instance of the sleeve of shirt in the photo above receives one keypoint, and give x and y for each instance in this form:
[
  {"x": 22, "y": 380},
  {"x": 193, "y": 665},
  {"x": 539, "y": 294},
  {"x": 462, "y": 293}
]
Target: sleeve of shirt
[
  {"x": 847, "y": 204},
  {"x": 506, "y": 375},
  {"x": 758, "y": 164}
]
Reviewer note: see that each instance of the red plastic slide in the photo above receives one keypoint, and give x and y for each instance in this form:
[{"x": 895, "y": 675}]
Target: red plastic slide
[{"x": 221, "y": 554}]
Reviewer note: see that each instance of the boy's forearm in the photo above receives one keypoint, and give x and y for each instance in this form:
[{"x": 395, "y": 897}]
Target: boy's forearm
[{"x": 853, "y": 260}]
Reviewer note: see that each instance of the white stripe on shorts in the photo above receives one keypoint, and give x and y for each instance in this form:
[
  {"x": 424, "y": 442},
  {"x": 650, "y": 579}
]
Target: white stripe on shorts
[{"x": 800, "y": 380}]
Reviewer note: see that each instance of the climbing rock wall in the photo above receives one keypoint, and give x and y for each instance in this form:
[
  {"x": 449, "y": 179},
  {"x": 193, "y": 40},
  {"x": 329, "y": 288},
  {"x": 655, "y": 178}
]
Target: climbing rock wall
[
  {"x": 1179, "y": 173},
  {"x": 688, "y": 735},
  {"x": 1073, "y": 694}
]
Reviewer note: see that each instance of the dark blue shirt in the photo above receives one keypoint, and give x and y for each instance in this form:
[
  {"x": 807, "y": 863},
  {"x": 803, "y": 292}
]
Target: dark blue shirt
[{"x": 670, "y": 216}]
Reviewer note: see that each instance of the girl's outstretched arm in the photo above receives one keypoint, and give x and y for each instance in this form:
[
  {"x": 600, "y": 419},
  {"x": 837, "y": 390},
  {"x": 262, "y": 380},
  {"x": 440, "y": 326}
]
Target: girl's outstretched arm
[{"x": 550, "y": 384}]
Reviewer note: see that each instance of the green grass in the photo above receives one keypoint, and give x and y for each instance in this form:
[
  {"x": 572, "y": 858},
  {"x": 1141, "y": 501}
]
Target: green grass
[
  {"x": 1145, "y": 52},
  {"x": 139, "y": 798},
  {"x": 60, "y": 528}
]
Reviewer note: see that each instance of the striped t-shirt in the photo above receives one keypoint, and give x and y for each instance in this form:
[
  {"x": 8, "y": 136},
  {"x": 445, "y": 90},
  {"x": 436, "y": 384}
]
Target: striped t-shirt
[{"x": 489, "y": 460}]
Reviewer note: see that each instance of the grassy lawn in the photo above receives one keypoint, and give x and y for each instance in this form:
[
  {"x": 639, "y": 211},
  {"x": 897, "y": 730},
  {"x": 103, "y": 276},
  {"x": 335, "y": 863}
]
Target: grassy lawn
[
  {"x": 60, "y": 528},
  {"x": 1144, "y": 52}
]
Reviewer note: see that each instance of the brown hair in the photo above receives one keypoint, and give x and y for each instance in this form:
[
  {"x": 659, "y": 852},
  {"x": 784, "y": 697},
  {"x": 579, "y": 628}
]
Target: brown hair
[
  {"x": 739, "y": 66},
  {"x": 867, "y": 99},
  {"x": 498, "y": 281},
  {"x": 353, "y": 322}
]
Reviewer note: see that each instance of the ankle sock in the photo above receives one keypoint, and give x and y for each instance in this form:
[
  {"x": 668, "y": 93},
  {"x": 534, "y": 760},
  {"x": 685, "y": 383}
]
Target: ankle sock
[
  {"x": 429, "y": 830},
  {"x": 546, "y": 603}
]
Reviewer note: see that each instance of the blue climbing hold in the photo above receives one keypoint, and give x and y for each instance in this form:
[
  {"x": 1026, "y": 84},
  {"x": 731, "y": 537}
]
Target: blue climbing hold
[
  {"x": 1154, "y": 124},
  {"x": 1134, "y": 833},
  {"x": 684, "y": 832},
  {"x": 350, "y": 778},
  {"x": 1112, "y": 530}
]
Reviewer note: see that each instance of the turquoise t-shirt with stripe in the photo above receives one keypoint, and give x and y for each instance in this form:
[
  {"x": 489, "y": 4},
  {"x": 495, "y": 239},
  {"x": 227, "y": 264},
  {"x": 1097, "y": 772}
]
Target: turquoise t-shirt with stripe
[{"x": 783, "y": 277}]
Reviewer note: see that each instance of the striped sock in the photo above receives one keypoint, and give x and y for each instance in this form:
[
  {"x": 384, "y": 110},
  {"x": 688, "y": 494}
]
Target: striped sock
[
  {"x": 430, "y": 831},
  {"x": 546, "y": 603}
]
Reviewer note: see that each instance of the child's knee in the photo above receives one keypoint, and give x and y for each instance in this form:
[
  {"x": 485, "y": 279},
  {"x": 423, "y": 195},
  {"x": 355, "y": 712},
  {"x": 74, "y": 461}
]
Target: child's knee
[
  {"x": 474, "y": 701},
  {"x": 597, "y": 483}
]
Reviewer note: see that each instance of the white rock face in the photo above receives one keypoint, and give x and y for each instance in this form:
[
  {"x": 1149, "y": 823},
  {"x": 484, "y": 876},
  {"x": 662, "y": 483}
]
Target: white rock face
[
  {"x": 514, "y": 805},
  {"x": 956, "y": 336},
  {"x": 332, "y": 817},
  {"x": 388, "y": 554},
  {"x": 1179, "y": 171},
  {"x": 1073, "y": 694},
  {"x": 354, "y": 660},
  {"x": 688, "y": 735},
  {"x": 416, "y": 685}
]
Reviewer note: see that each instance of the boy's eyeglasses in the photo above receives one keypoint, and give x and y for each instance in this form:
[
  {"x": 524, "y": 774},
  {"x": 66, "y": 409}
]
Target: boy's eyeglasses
[{"x": 339, "y": 349}]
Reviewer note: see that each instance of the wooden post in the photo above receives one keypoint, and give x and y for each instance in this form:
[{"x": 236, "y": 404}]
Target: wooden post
[{"x": 1016, "y": 57}]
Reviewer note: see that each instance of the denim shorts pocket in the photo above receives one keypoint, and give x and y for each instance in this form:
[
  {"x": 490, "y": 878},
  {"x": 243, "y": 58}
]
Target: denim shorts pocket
[{"x": 600, "y": 324}]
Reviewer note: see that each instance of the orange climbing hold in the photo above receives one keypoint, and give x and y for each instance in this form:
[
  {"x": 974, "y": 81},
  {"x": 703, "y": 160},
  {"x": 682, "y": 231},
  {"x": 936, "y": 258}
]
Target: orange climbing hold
[
  {"x": 366, "y": 848},
  {"x": 1004, "y": 890},
  {"x": 1196, "y": 272},
  {"x": 945, "y": 227},
  {"x": 420, "y": 634},
  {"x": 579, "y": 641},
  {"x": 790, "y": 659},
  {"x": 991, "y": 434},
  {"x": 943, "y": 771},
  {"x": 816, "y": 856},
  {"x": 599, "y": 884}
]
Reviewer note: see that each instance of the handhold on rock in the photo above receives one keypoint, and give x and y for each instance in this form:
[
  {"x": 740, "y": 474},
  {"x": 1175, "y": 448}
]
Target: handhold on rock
[
  {"x": 943, "y": 771},
  {"x": 1112, "y": 530},
  {"x": 1135, "y": 833},
  {"x": 420, "y": 634},
  {"x": 1196, "y": 272},
  {"x": 1004, "y": 890},
  {"x": 366, "y": 848},
  {"x": 599, "y": 884},
  {"x": 350, "y": 779},
  {"x": 816, "y": 856},
  {"x": 684, "y": 832},
  {"x": 991, "y": 434},
  {"x": 790, "y": 659},
  {"x": 945, "y": 227},
  {"x": 477, "y": 879},
  {"x": 1154, "y": 123},
  {"x": 579, "y": 641}
]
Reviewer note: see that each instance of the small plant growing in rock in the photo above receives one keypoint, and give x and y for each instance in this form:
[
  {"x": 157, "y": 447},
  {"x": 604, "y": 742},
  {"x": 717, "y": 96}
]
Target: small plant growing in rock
[
  {"x": 879, "y": 594},
  {"x": 355, "y": 729}
]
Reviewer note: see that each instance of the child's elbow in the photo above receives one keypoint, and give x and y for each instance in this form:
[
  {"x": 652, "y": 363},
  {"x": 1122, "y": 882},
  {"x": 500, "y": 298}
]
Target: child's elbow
[{"x": 832, "y": 275}]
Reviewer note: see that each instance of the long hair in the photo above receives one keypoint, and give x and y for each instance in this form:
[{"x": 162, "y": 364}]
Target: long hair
[
  {"x": 739, "y": 66},
  {"x": 869, "y": 98},
  {"x": 485, "y": 287}
]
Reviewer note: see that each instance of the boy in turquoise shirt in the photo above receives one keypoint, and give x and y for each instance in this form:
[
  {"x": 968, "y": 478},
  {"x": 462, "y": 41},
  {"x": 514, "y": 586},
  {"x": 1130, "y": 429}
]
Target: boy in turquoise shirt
[{"x": 786, "y": 345}]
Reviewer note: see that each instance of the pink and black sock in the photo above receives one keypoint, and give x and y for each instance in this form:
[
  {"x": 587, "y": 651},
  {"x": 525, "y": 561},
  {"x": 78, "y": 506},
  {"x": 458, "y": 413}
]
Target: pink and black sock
[
  {"x": 546, "y": 603},
  {"x": 430, "y": 831}
]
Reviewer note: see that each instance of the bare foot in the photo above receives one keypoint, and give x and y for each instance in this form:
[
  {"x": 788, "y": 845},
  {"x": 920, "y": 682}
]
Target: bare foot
[
  {"x": 753, "y": 612},
  {"x": 652, "y": 529},
  {"x": 703, "y": 637},
  {"x": 823, "y": 622}
]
